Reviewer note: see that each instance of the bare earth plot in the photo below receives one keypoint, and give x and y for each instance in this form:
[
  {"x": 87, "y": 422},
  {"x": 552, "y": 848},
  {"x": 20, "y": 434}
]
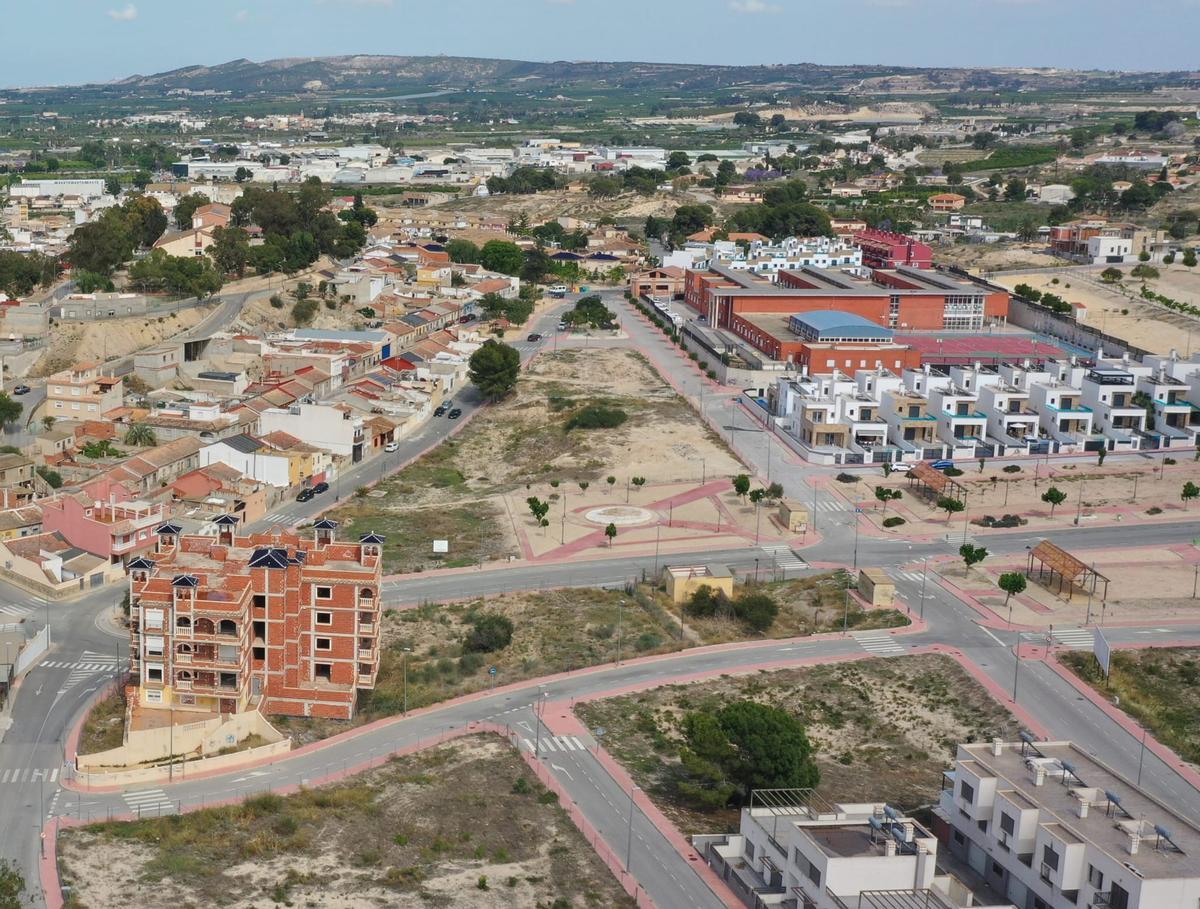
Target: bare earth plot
[
  {"x": 882, "y": 729},
  {"x": 472, "y": 490},
  {"x": 462, "y": 825}
]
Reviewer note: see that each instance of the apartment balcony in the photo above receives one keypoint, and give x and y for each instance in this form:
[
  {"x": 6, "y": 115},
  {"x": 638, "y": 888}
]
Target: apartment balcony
[
  {"x": 367, "y": 655},
  {"x": 366, "y": 627},
  {"x": 369, "y": 603},
  {"x": 365, "y": 680}
]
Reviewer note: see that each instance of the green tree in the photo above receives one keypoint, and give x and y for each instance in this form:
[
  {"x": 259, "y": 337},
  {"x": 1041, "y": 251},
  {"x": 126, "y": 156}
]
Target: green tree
[
  {"x": 304, "y": 311},
  {"x": 100, "y": 246},
  {"x": 537, "y": 508},
  {"x": 494, "y": 368},
  {"x": 186, "y": 207},
  {"x": 230, "y": 250},
  {"x": 757, "y": 495},
  {"x": 10, "y": 410},
  {"x": 1190, "y": 491},
  {"x": 141, "y": 435},
  {"x": 502, "y": 256},
  {"x": 678, "y": 159},
  {"x": 611, "y": 532},
  {"x": 1112, "y": 276},
  {"x": 950, "y": 505},
  {"x": 52, "y": 477},
  {"x": 1189, "y": 257},
  {"x": 757, "y": 610},
  {"x": 971, "y": 555},
  {"x": 1053, "y": 497},
  {"x": 1011, "y": 582},
  {"x": 775, "y": 492},
  {"x": 112, "y": 186},
  {"x": 489, "y": 633},
  {"x": 885, "y": 495},
  {"x": 741, "y": 485},
  {"x": 463, "y": 252}
]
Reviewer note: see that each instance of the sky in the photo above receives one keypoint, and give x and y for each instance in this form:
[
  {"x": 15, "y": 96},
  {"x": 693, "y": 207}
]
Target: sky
[{"x": 73, "y": 41}]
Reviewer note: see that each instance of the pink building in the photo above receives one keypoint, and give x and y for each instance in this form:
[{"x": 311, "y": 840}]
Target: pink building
[{"x": 118, "y": 529}]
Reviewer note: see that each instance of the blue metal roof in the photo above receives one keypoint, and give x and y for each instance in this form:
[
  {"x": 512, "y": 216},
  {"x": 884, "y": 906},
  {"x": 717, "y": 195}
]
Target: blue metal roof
[{"x": 830, "y": 323}]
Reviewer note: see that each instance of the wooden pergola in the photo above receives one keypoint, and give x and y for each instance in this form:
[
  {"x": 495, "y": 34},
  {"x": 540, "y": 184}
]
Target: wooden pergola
[
  {"x": 1070, "y": 570},
  {"x": 938, "y": 482}
]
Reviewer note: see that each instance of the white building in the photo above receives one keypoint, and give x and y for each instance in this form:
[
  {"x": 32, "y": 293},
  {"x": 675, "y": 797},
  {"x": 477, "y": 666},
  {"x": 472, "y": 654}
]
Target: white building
[
  {"x": 334, "y": 429},
  {"x": 50, "y": 189},
  {"x": 793, "y": 253},
  {"x": 245, "y": 454},
  {"x": 1051, "y": 827},
  {"x": 794, "y": 850}
]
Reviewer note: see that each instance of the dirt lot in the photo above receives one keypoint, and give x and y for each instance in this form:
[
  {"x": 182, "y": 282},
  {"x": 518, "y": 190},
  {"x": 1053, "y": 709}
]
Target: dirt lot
[
  {"x": 104, "y": 727},
  {"x": 458, "y": 490},
  {"x": 882, "y": 729},
  {"x": 986, "y": 257},
  {"x": 545, "y": 206},
  {"x": 1120, "y": 311},
  {"x": 1160, "y": 688},
  {"x": 458, "y": 826},
  {"x": 72, "y": 342}
]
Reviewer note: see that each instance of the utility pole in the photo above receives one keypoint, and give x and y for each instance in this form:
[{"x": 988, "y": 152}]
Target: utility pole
[
  {"x": 924, "y": 577},
  {"x": 620, "y": 613},
  {"x": 404, "y": 663},
  {"x": 629, "y": 835}
]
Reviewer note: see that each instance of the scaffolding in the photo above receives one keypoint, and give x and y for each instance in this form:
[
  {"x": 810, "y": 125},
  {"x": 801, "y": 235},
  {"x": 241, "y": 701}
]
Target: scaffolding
[{"x": 1071, "y": 572}]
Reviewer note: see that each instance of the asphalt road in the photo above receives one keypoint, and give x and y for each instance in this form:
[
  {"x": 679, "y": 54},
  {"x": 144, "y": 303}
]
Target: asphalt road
[{"x": 48, "y": 701}]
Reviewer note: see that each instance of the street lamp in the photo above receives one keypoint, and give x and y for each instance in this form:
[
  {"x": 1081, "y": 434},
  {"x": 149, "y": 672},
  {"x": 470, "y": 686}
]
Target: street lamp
[
  {"x": 629, "y": 835},
  {"x": 537, "y": 718},
  {"x": 924, "y": 578},
  {"x": 620, "y": 613},
  {"x": 404, "y": 663}
]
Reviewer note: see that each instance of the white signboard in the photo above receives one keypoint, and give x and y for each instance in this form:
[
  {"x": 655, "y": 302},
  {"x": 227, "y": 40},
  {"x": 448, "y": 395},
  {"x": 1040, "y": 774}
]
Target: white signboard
[
  {"x": 441, "y": 546},
  {"x": 1102, "y": 651}
]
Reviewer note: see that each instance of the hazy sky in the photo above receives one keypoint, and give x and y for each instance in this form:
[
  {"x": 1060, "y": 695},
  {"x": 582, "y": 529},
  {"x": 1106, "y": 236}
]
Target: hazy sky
[{"x": 68, "y": 41}]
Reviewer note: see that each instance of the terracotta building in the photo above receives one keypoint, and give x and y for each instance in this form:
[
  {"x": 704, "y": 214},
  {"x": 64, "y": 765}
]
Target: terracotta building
[{"x": 269, "y": 621}]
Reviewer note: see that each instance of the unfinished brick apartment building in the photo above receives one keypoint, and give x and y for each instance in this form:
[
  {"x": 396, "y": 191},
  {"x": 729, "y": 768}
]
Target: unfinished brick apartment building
[{"x": 268, "y": 621}]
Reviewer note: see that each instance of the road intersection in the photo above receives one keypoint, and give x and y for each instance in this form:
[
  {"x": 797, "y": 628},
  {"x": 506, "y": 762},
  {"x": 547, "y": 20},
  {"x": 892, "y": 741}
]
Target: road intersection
[{"x": 36, "y": 784}]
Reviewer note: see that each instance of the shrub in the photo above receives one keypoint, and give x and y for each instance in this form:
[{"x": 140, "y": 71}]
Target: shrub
[
  {"x": 647, "y": 640},
  {"x": 757, "y": 610},
  {"x": 1012, "y": 468},
  {"x": 893, "y": 521},
  {"x": 490, "y": 633},
  {"x": 952, "y": 472},
  {"x": 276, "y": 301},
  {"x": 706, "y": 601},
  {"x": 846, "y": 478},
  {"x": 712, "y": 373},
  {"x": 597, "y": 416},
  {"x": 1008, "y": 520}
]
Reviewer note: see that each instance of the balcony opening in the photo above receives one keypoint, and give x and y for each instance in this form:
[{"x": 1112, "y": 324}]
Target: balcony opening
[
  {"x": 323, "y": 672},
  {"x": 183, "y": 622},
  {"x": 259, "y": 654},
  {"x": 260, "y": 600},
  {"x": 228, "y": 680},
  {"x": 260, "y": 630},
  {"x": 205, "y": 626},
  {"x": 227, "y": 626}
]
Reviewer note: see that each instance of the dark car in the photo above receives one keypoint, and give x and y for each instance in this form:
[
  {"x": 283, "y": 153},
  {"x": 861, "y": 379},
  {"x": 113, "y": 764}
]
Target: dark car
[
  {"x": 21, "y": 390},
  {"x": 304, "y": 495},
  {"x": 454, "y": 414},
  {"x": 441, "y": 410},
  {"x": 534, "y": 337},
  {"x": 320, "y": 488}
]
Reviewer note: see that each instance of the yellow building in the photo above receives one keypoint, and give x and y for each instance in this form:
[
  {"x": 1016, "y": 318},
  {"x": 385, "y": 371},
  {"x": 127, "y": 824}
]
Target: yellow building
[
  {"x": 876, "y": 587},
  {"x": 683, "y": 580}
]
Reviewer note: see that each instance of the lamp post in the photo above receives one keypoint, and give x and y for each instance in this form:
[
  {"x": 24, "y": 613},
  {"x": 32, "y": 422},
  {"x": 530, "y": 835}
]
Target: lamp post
[
  {"x": 1079, "y": 504},
  {"x": 404, "y": 663},
  {"x": 620, "y": 613},
  {"x": 1141, "y": 757},
  {"x": 924, "y": 578},
  {"x": 537, "y": 720},
  {"x": 629, "y": 835}
]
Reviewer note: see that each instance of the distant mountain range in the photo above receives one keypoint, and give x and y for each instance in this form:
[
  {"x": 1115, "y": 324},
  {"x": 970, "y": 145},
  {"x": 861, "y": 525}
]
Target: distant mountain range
[{"x": 381, "y": 74}]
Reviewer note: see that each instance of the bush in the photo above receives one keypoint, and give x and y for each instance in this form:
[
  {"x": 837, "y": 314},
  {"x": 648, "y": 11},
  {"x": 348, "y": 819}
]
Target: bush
[
  {"x": 597, "y": 416},
  {"x": 706, "y": 601},
  {"x": 846, "y": 478},
  {"x": 756, "y": 610},
  {"x": 893, "y": 521},
  {"x": 304, "y": 311},
  {"x": 1008, "y": 520},
  {"x": 1144, "y": 271},
  {"x": 1012, "y": 468},
  {"x": 952, "y": 472},
  {"x": 276, "y": 301},
  {"x": 490, "y": 633}
]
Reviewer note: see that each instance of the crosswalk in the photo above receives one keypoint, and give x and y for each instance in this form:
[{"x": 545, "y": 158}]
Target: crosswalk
[
  {"x": 832, "y": 506},
  {"x": 17, "y": 610},
  {"x": 84, "y": 668},
  {"x": 149, "y": 801},
  {"x": 879, "y": 643},
  {"x": 783, "y": 558},
  {"x": 11, "y": 775},
  {"x": 90, "y": 666},
  {"x": 556, "y": 743},
  {"x": 915, "y": 576},
  {"x": 1076, "y": 638}
]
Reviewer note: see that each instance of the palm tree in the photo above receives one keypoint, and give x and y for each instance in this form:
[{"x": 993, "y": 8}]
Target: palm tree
[{"x": 140, "y": 434}]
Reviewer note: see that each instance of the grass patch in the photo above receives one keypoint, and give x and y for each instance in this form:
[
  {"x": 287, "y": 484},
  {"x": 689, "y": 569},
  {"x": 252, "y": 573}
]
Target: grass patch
[
  {"x": 392, "y": 830},
  {"x": 1160, "y": 688},
  {"x": 882, "y": 729},
  {"x": 104, "y": 727}
]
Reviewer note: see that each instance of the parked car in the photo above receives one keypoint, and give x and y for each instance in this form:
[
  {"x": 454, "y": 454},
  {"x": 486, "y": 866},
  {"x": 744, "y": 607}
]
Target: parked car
[
  {"x": 534, "y": 336},
  {"x": 454, "y": 414},
  {"x": 441, "y": 410},
  {"x": 941, "y": 465},
  {"x": 304, "y": 495},
  {"x": 900, "y": 467},
  {"x": 391, "y": 446},
  {"x": 558, "y": 291},
  {"x": 320, "y": 488},
  {"x": 21, "y": 390},
  {"x": 463, "y": 320}
]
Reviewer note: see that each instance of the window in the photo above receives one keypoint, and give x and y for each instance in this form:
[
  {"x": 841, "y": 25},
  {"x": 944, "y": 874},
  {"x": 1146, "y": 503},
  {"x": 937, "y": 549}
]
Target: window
[
  {"x": 324, "y": 593},
  {"x": 966, "y": 791},
  {"x": 323, "y": 671},
  {"x": 959, "y": 838},
  {"x": 1007, "y": 824},
  {"x": 1050, "y": 857},
  {"x": 324, "y": 618},
  {"x": 324, "y": 644},
  {"x": 154, "y": 674},
  {"x": 1095, "y": 877}
]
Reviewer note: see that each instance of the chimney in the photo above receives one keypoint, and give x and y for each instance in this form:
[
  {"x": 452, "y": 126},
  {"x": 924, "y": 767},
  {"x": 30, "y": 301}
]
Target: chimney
[
  {"x": 1039, "y": 775},
  {"x": 997, "y": 747},
  {"x": 1084, "y": 805},
  {"x": 1135, "y": 842},
  {"x": 889, "y": 846}
]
